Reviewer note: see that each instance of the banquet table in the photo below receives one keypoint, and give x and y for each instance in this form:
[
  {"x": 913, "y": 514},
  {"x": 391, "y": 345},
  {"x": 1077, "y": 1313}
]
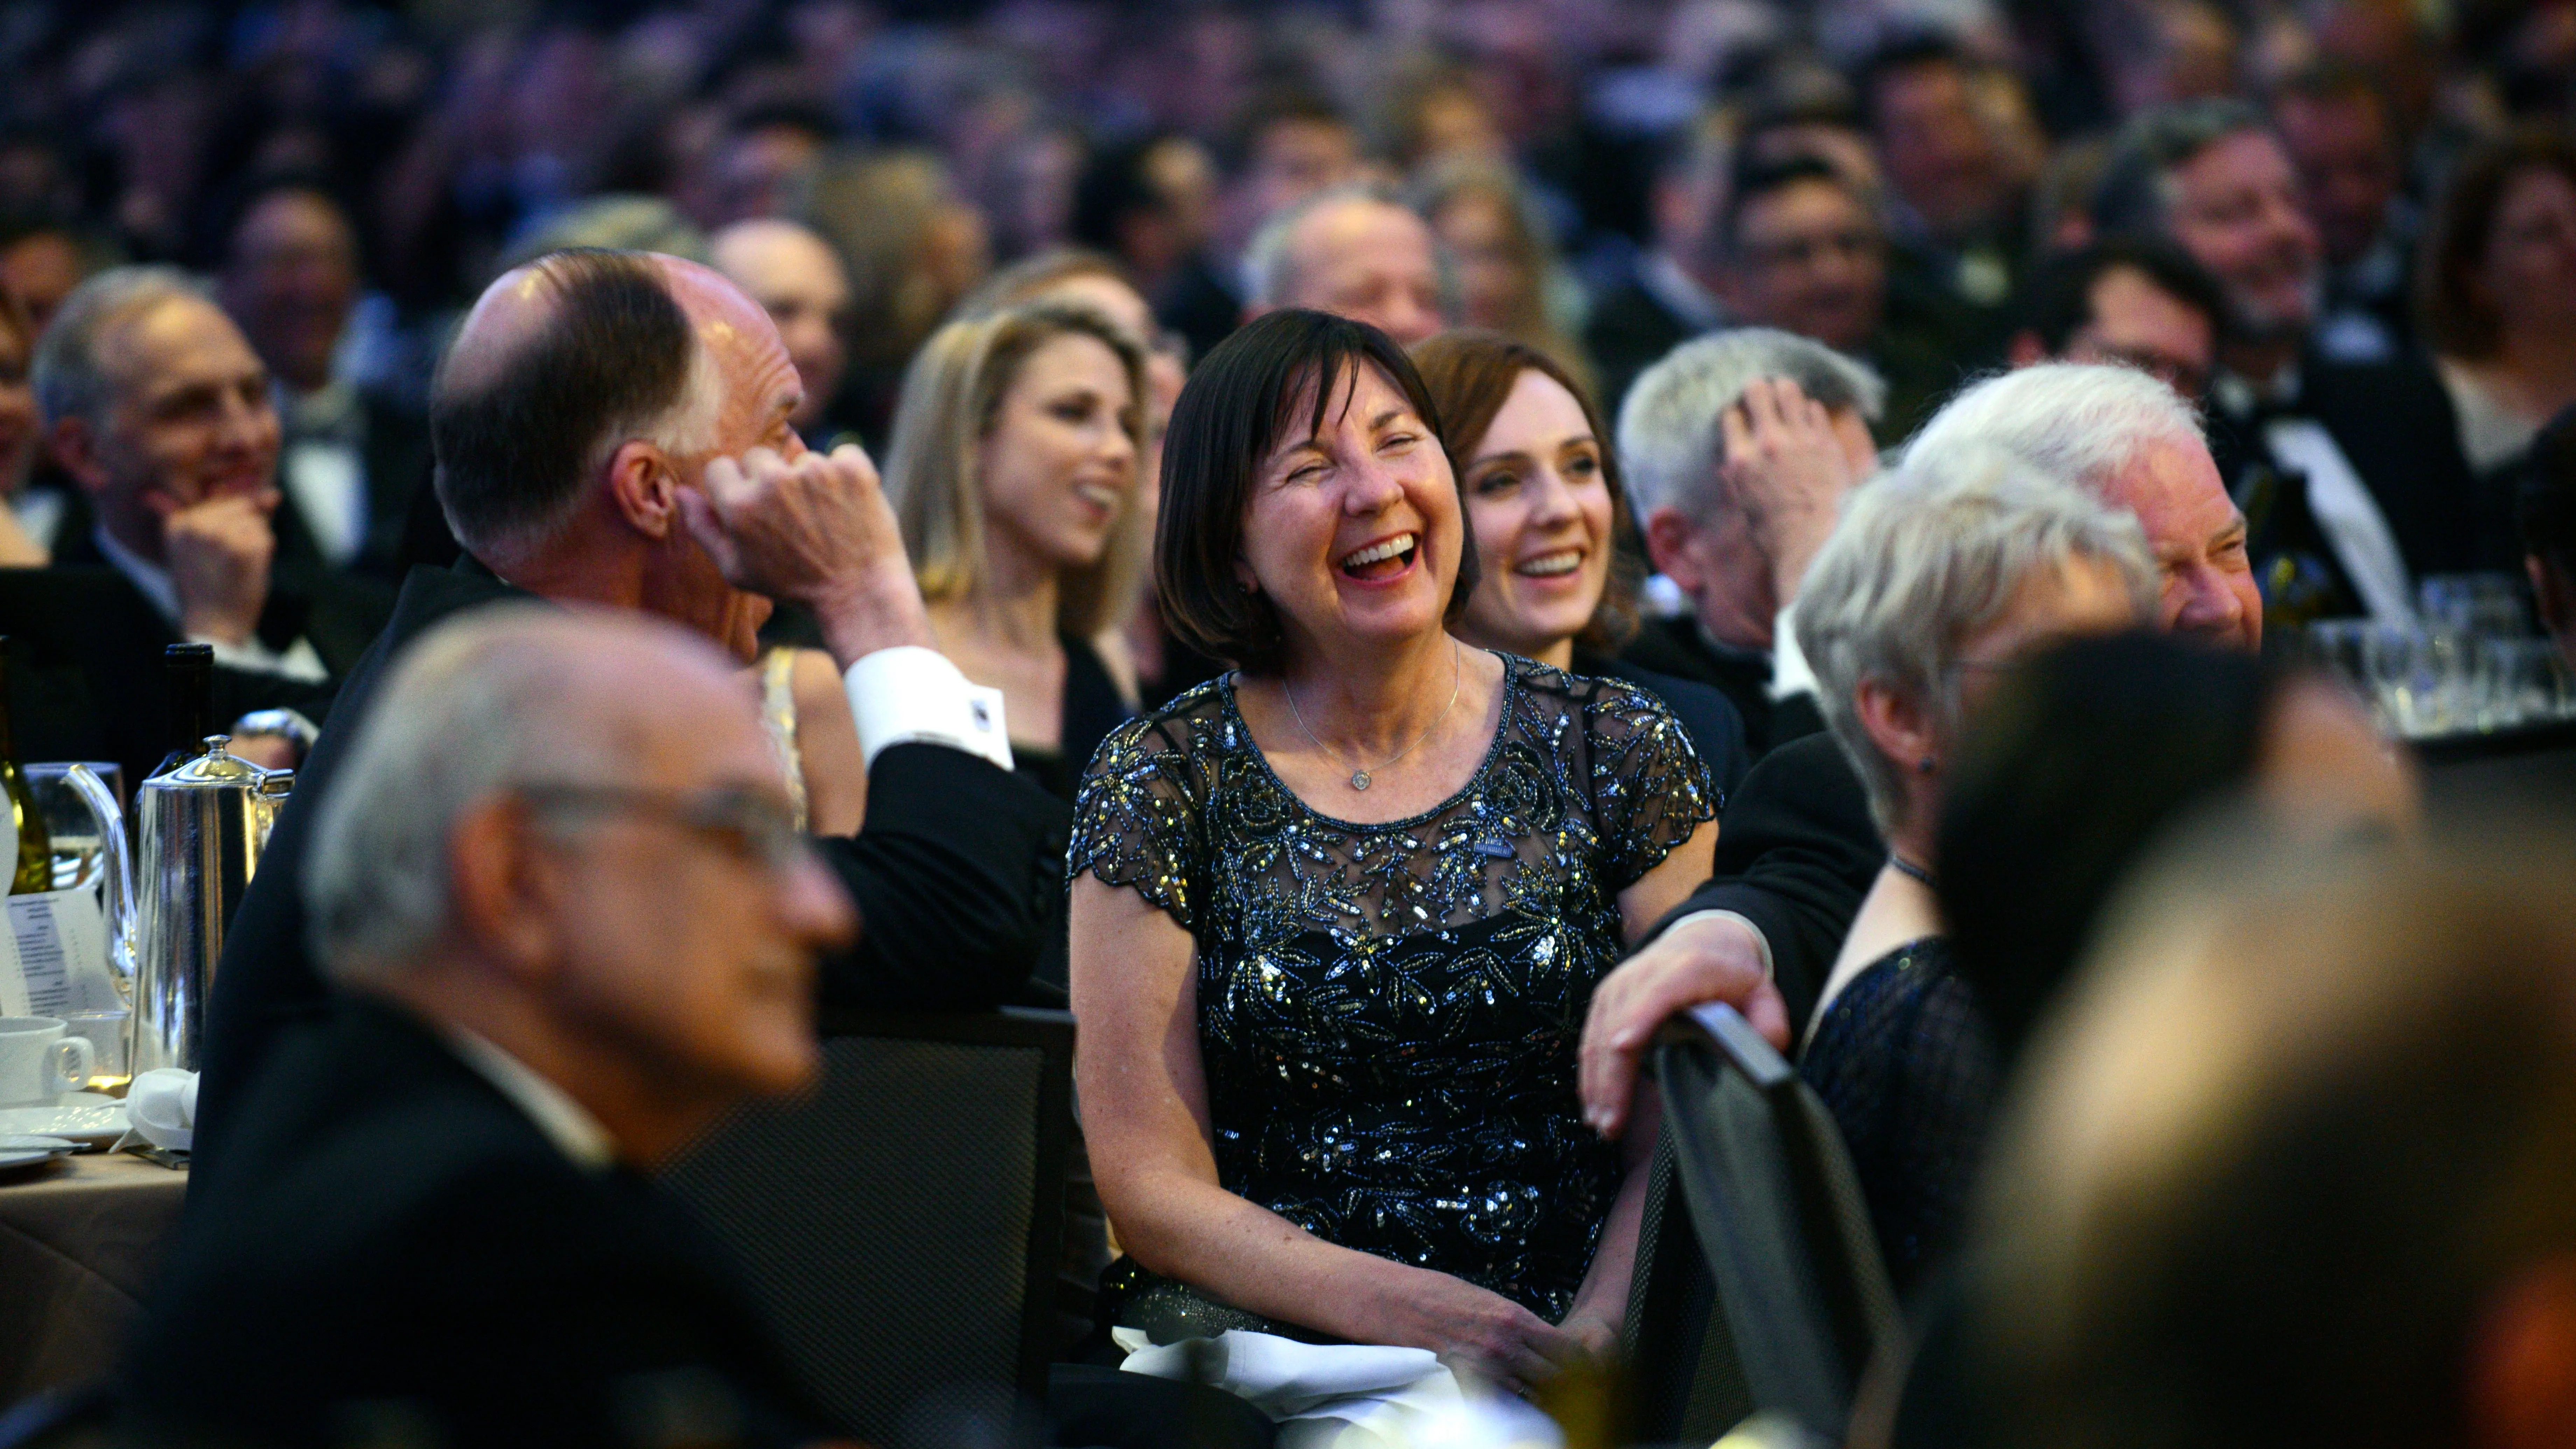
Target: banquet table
[{"x": 79, "y": 1239}]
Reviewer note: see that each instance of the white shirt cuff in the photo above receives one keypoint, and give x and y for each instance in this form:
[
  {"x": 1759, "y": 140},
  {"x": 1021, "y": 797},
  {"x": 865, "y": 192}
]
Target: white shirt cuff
[
  {"x": 298, "y": 663},
  {"x": 1740, "y": 919},
  {"x": 909, "y": 694},
  {"x": 1789, "y": 672}
]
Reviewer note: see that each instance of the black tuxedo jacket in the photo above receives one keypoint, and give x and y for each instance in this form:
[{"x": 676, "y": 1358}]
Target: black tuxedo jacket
[
  {"x": 2396, "y": 427},
  {"x": 398, "y": 462},
  {"x": 390, "y": 1244},
  {"x": 1675, "y": 647},
  {"x": 86, "y": 675},
  {"x": 958, "y": 875},
  {"x": 1797, "y": 853}
]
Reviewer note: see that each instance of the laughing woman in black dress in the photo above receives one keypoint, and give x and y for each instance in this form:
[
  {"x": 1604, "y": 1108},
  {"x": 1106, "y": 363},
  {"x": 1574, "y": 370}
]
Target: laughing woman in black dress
[{"x": 1337, "y": 915}]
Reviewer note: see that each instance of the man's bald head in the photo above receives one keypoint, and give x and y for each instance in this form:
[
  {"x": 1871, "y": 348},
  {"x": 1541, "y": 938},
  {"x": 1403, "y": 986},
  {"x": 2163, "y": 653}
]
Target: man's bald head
[{"x": 559, "y": 363}]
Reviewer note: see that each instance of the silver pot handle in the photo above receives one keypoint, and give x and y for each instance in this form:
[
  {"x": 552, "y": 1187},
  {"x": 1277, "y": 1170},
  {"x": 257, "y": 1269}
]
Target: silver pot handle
[{"x": 119, "y": 905}]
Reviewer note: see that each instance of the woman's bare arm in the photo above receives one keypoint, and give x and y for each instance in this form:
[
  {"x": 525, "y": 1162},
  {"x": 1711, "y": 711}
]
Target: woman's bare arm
[{"x": 1145, "y": 1116}]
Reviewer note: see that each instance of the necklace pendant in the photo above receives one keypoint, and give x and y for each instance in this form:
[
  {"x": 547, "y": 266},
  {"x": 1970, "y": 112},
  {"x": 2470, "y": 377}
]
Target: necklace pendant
[{"x": 1359, "y": 779}]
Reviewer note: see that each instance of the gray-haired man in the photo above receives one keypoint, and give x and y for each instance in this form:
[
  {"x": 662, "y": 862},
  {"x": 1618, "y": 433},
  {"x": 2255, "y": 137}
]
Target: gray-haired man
[
  {"x": 1738, "y": 448},
  {"x": 558, "y": 886}
]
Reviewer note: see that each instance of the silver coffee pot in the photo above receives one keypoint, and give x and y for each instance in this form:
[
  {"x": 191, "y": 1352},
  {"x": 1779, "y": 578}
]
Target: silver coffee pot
[{"x": 199, "y": 831}]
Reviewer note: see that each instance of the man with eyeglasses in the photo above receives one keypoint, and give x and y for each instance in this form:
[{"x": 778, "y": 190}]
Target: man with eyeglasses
[
  {"x": 1804, "y": 251},
  {"x": 570, "y": 924},
  {"x": 2130, "y": 302}
]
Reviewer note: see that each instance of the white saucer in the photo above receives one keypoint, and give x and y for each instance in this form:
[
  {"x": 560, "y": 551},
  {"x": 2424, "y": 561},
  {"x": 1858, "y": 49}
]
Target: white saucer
[
  {"x": 15, "y": 1157},
  {"x": 91, "y": 1117}
]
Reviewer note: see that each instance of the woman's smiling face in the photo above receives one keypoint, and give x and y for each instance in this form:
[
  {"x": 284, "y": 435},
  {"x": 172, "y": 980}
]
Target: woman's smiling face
[
  {"x": 1059, "y": 464},
  {"x": 1353, "y": 532},
  {"x": 1540, "y": 505}
]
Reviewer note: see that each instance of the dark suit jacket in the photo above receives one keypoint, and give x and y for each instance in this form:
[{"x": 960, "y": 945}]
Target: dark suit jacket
[
  {"x": 2395, "y": 426},
  {"x": 398, "y": 462},
  {"x": 390, "y": 1243},
  {"x": 958, "y": 875},
  {"x": 86, "y": 680},
  {"x": 1795, "y": 855},
  {"x": 1676, "y": 647}
]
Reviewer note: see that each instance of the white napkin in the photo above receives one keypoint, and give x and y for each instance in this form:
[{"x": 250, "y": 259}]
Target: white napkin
[
  {"x": 162, "y": 1105},
  {"x": 1341, "y": 1395}
]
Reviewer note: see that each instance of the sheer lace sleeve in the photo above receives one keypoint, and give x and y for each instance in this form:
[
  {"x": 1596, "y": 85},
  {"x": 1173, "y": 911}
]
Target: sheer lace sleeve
[
  {"x": 1649, "y": 787},
  {"x": 1137, "y": 818}
]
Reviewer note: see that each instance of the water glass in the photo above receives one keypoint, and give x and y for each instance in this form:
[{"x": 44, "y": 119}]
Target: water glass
[
  {"x": 2523, "y": 682},
  {"x": 2484, "y": 605},
  {"x": 68, "y": 821},
  {"x": 106, "y": 1030},
  {"x": 2420, "y": 677}
]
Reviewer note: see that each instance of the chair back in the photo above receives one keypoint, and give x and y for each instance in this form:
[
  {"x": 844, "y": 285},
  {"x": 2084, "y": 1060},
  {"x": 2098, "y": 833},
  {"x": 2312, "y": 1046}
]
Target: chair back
[
  {"x": 1759, "y": 1286},
  {"x": 902, "y": 1224}
]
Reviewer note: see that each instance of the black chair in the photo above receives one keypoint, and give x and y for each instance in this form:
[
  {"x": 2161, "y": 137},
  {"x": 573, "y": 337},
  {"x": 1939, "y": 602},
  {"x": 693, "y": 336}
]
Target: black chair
[
  {"x": 1758, "y": 1285},
  {"x": 903, "y": 1223}
]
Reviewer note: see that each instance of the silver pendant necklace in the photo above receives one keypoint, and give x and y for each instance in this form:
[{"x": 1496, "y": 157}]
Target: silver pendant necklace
[{"x": 1360, "y": 776}]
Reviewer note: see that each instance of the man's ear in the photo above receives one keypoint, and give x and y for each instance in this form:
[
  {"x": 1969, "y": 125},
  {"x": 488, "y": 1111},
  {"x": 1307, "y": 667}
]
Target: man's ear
[
  {"x": 75, "y": 446},
  {"x": 1668, "y": 538},
  {"x": 645, "y": 488},
  {"x": 498, "y": 886},
  {"x": 2024, "y": 349}
]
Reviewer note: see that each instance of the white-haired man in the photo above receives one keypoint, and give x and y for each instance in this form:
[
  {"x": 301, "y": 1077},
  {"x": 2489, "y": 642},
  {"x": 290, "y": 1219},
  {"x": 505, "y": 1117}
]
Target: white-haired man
[
  {"x": 558, "y": 887},
  {"x": 613, "y": 429},
  {"x": 1356, "y": 252},
  {"x": 1764, "y": 931},
  {"x": 1738, "y": 448}
]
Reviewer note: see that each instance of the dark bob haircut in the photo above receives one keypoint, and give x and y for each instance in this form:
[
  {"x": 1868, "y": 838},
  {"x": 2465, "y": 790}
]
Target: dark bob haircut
[{"x": 1239, "y": 406}]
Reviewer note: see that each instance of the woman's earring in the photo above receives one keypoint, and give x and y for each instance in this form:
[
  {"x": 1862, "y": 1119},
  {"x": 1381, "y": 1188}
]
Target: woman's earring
[{"x": 1926, "y": 765}]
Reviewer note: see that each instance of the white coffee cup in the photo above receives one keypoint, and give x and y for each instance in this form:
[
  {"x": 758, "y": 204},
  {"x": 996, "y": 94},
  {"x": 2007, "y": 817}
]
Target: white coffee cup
[{"x": 39, "y": 1061}]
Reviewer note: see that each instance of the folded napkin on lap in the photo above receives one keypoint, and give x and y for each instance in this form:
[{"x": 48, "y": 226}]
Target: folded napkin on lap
[{"x": 1341, "y": 1395}]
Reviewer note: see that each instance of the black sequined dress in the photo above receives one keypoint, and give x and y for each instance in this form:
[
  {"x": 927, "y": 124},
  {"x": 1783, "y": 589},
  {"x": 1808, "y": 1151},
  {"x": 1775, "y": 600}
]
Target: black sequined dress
[{"x": 1388, "y": 1014}]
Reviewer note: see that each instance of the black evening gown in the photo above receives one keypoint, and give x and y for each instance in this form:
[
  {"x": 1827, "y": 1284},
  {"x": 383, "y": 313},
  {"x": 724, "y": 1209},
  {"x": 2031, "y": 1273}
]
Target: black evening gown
[
  {"x": 1388, "y": 1014},
  {"x": 1092, "y": 709},
  {"x": 1904, "y": 1062}
]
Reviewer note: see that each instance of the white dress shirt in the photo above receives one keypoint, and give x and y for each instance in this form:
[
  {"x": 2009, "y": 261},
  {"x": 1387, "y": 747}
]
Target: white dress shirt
[{"x": 566, "y": 1123}]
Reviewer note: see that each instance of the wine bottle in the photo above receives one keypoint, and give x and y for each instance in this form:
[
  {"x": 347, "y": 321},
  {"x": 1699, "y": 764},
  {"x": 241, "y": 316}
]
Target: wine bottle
[
  {"x": 34, "y": 870},
  {"x": 191, "y": 682}
]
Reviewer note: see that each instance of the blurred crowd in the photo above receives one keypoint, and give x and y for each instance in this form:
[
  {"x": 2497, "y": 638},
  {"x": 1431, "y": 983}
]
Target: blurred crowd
[{"x": 1892, "y": 178}]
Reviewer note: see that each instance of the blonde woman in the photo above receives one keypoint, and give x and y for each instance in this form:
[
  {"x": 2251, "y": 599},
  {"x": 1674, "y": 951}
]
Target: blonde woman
[{"x": 1013, "y": 473}]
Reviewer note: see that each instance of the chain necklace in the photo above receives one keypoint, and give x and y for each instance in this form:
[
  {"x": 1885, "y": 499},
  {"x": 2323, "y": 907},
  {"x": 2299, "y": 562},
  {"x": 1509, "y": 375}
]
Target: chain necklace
[{"x": 1360, "y": 776}]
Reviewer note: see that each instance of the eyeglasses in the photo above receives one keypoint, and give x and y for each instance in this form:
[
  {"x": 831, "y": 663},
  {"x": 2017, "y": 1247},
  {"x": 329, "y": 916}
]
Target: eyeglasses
[{"x": 749, "y": 824}]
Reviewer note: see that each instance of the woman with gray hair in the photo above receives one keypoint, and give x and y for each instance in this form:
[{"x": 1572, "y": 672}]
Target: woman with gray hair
[{"x": 1936, "y": 578}]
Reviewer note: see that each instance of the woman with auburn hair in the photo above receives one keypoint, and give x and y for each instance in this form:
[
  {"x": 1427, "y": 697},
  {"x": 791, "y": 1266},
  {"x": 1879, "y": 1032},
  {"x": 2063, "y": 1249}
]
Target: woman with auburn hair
[
  {"x": 1552, "y": 527},
  {"x": 1013, "y": 473}
]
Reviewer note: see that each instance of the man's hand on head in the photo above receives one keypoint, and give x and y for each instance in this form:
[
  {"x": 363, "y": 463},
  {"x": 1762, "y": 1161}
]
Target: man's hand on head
[
  {"x": 816, "y": 531},
  {"x": 1713, "y": 958},
  {"x": 1784, "y": 461},
  {"x": 218, "y": 553}
]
